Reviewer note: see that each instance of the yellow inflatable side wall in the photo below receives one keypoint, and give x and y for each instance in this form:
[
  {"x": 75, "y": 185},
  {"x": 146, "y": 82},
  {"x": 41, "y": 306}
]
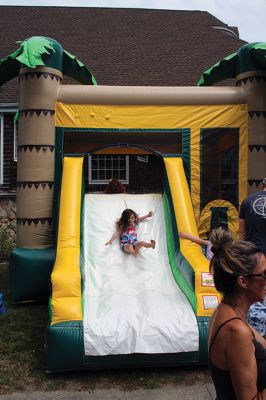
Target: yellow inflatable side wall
[
  {"x": 66, "y": 277},
  {"x": 206, "y": 295}
]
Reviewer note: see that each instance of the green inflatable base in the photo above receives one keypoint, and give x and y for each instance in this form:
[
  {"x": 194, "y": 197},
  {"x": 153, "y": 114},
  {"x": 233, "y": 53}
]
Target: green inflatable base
[
  {"x": 30, "y": 271},
  {"x": 65, "y": 352}
]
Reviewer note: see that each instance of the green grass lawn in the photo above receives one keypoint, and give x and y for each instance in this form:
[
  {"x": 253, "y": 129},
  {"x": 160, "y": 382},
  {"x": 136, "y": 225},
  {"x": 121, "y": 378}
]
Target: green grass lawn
[{"x": 22, "y": 361}]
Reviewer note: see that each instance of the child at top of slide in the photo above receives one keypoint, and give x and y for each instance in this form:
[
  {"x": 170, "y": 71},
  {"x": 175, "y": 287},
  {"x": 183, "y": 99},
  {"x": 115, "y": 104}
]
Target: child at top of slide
[{"x": 126, "y": 230}]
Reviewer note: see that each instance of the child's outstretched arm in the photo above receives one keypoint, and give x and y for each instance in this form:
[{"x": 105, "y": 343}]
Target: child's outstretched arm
[
  {"x": 193, "y": 238},
  {"x": 114, "y": 236},
  {"x": 150, "y": 214}
]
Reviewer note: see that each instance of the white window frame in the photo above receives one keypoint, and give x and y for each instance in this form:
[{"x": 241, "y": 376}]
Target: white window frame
[
  {"x": 15, "y": 141},
  {"x": 105, "y": 181},
  {"x": 1, "y": 149}
]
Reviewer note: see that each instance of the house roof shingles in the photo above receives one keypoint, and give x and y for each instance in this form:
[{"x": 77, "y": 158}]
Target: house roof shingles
[{"x": 123, "y": 46}]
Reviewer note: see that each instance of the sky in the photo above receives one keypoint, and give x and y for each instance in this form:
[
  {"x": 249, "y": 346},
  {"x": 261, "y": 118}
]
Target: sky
[{"x": 247, "y": 15}]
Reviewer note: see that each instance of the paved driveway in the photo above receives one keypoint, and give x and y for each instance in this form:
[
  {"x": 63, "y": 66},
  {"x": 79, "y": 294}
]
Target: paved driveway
[{"x": 179, "y": 392}]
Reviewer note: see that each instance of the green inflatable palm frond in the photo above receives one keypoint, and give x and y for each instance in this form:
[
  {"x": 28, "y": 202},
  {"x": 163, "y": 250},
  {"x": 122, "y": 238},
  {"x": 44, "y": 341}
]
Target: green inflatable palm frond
[
  {"x": 224, "y": 69},
  {"x": 38, "y": 51},
  {"x": 259, "y": 54},
  {"x": 9, "y": 67},
  {"x": 33, "y": 49},
  {"x": 250, "y": 57},
  {"x": 75, "y": 69},
  {"x": 29, "y": 53},
  {"x": 259, "y": 46}
]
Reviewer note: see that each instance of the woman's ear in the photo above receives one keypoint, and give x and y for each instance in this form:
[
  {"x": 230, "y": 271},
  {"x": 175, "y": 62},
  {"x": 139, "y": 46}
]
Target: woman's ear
[{"x": 242, "y": 282}]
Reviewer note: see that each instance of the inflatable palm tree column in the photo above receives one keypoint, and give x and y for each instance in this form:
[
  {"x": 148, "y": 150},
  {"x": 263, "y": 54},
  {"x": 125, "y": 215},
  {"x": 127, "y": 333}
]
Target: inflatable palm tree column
[
  {"x": 35, "y": 170},
  {"x": 248, "y": 67},
  {"x": 46, "y": 61},
  {"x": 254, "y": 84}
]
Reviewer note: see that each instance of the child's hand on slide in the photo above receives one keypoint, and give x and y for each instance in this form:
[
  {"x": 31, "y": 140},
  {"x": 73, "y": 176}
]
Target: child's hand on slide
[{"x": 183, "y": 235}]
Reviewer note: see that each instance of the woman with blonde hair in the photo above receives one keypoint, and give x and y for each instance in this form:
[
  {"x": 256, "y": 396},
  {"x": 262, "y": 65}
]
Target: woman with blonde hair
[{"x": 237, "y": 353}]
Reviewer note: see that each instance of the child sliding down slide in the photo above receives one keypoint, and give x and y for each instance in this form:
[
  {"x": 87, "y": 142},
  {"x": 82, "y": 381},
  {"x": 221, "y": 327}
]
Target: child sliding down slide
[{"x": 126, "y": 230}]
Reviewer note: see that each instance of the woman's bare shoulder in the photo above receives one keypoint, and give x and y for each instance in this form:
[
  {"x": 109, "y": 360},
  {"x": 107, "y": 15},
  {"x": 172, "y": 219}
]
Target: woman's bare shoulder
[
  {"x": 239, "y": 332},
  {"x": 232, "y": 327}
]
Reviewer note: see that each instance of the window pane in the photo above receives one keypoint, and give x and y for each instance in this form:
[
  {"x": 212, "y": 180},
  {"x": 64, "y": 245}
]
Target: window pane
[
  {"x": 107, "y": 167},
  {"x": 101, "y": 164},
  {"x": 94, "y": 174},
  {"x": 115, "y": 174},
  {"x": 93, "y": 163},
  {"x": 108, "y": 163},
  {"x": 122, "y": 163},
  {"x": 115, "y": 163},
  {"x": 109, "y": 175},
  {"x": 15, "y": 140},
  {"x": 101, "y": 175}
]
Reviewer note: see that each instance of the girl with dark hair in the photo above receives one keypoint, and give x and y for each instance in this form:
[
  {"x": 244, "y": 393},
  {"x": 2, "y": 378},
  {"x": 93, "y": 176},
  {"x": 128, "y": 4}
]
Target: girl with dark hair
[
  {"x": 126, "y": 230},
  {"x": 237, "y": 353},
  {"x": 115, "y": 187}
]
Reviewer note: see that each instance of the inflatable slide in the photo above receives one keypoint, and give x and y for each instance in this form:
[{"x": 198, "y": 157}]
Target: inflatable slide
[
  {"x": 132, "y": 304},
  {"x": 109, "y": 309}
]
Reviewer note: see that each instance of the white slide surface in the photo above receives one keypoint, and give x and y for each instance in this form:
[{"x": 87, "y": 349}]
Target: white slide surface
[{"x": 132, "y": 304}]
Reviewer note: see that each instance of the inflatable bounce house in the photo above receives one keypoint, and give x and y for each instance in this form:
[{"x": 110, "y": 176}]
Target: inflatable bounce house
[{"x": 109, "y": 309}]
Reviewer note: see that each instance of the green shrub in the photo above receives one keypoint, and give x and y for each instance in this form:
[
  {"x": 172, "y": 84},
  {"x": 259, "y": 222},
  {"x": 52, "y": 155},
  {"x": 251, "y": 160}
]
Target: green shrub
[{"x": 6, "y": 243}]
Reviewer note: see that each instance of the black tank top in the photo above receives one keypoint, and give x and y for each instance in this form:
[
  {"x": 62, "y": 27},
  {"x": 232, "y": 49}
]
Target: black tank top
[{"x": 222, "y": 379}]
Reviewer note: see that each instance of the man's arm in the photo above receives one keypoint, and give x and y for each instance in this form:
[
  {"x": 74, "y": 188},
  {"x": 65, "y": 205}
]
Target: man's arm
[
  {"x": 242, "y": 221},
  {"x": 242, "y": 229}
]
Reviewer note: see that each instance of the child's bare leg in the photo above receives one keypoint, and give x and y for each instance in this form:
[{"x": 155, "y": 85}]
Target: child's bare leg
[
  {"x": 140, "y": 244},
  {"x": 128, "y": 248}
]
